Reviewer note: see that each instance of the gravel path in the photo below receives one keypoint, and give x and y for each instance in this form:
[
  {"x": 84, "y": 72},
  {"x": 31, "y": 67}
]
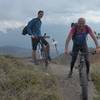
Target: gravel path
[{"x": 69, "y": 87}]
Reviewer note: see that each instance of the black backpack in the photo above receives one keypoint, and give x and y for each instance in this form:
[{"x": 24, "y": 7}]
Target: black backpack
[{"x": 24, "y": 31}]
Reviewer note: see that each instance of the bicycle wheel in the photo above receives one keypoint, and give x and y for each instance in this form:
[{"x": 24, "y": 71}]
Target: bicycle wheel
[
  {"x": 84, "y": 81},
  {"x": 45, "y": 58},
  {"x": 84, "y": 92}
]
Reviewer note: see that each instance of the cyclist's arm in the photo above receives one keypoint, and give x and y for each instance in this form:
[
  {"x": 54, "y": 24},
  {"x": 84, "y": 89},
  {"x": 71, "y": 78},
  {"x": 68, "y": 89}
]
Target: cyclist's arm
[
  {"x": 92, "y": 34},
  {"x": 70, "y": 34}
]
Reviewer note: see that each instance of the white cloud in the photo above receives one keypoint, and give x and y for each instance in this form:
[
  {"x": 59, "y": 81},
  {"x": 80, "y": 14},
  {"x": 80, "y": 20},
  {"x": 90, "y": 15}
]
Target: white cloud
[
  {"x": 93, "y": 16},
  {"x": 10, "y": 24},
  {"x": 63, "y": 18}
]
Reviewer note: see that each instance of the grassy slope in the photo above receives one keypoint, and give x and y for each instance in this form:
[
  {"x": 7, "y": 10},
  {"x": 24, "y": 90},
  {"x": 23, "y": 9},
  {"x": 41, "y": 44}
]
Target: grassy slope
[
  {"x": 96, "y": 78},
  {"x": 19, "y": 81},
  {"x": 62, "y": 59}
]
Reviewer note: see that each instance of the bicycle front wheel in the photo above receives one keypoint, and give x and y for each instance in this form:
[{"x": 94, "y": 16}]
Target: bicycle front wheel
[
  {"x": 45, "y": 57},
  {"x": 84, "y": 92},
  {"x": 84, "y": 81}
]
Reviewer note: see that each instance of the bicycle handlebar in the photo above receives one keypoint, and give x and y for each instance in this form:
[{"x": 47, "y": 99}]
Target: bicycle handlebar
[{"x": 41, "y": 37}]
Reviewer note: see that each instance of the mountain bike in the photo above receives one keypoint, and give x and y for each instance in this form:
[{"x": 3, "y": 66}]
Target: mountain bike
[
  {"x": 43, "y": 51},
  {"x": 83, "y": 74}
]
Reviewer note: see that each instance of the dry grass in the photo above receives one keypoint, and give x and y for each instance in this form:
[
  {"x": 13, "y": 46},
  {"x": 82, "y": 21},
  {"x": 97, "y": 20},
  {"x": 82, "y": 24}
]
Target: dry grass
[
  {"x": 96, "y": 78},
  {"x": 19, "y": 81}
]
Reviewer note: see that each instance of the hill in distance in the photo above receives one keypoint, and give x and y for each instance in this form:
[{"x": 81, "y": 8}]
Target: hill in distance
[{"x": 15, "y": 51}]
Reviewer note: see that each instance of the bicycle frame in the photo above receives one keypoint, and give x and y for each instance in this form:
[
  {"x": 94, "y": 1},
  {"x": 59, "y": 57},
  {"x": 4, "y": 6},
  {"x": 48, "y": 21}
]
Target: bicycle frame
[{"x": 43, "y": 51}]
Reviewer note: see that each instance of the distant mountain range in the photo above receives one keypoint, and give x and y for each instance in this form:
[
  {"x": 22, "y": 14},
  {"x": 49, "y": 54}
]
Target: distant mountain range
[
  {"x": 13, "y": 37},
  {"x": 12, "y": 42},
  {"x": 20, "y": 52},
  {"x": 15, "y": 51}
]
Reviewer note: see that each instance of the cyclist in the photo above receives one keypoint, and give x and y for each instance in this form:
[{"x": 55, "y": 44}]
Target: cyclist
[
  {"x": 34, "y": 28},
  {"x": 78, "y": 34}
]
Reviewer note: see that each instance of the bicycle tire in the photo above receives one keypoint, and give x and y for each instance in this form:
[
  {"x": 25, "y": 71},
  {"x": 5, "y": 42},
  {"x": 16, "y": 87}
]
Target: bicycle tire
[
  {"x": 84, "y": 81},
  {"x": 84, "y": 92},
  {"x": 45, "y": 57}
]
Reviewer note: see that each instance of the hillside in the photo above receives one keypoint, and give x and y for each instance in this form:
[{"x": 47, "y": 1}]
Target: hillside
[
  {"x": 20, "y": 80},
  {"x": 96, "y": 79},
  {"x": 15, "y": 51}
]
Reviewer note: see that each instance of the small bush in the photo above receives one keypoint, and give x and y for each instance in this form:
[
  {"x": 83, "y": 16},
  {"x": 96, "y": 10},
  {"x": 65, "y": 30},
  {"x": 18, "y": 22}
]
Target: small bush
[{"x": 96, "y": 79}]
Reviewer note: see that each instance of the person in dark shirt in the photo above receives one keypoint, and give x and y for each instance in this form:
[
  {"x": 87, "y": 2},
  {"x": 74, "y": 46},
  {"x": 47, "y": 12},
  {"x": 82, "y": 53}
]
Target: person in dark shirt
[{"x": 34, "y": 29}]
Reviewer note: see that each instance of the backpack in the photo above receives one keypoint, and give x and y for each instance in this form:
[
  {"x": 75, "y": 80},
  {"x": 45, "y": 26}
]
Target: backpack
[
  {"x": 24, "y": 31},
  {"x": 80, "y": 38}
]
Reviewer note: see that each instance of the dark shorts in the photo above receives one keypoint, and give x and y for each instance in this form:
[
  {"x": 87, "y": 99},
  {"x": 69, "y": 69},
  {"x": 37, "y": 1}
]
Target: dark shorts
[
  {"x": 36, "y": 41},
  {"x": 76, "y": 49}
]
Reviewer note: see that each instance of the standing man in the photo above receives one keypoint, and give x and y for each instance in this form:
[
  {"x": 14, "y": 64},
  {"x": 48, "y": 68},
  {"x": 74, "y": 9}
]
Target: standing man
[
  {"x": 34, "y": 28},
  {"x": 78, "y": 34}
]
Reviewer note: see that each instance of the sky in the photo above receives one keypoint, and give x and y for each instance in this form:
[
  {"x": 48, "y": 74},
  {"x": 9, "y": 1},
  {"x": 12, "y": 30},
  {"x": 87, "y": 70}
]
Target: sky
[{"x": 16, "y": 13}]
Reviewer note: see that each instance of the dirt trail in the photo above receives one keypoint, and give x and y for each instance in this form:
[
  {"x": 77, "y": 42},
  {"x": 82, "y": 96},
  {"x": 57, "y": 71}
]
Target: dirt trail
[{"x": 69, "y": 87}]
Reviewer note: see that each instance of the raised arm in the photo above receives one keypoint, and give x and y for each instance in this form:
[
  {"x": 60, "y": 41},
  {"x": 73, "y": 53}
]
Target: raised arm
[{"x": 92, "y": 34}]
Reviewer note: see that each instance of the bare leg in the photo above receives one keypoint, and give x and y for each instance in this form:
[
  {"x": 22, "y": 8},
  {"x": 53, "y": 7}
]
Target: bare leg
[
  {"x": 75, "y": 51},
  {"x": 46, "y": 48},
  {"x": 34, "y": 56},
  {"x": 48, "y": 51}
]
